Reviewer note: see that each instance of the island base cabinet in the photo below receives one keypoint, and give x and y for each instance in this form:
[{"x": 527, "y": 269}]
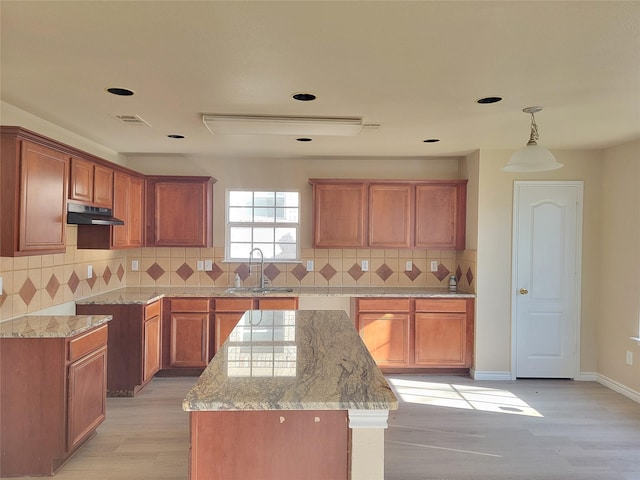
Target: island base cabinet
[{"x": 269, "y": 445}]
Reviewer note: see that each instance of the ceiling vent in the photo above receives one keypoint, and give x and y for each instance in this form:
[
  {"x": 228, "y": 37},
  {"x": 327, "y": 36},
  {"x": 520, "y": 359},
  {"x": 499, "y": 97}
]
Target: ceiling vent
[
  {"x": 133, "y": 120},
  {"x": 279, "y": 125}
]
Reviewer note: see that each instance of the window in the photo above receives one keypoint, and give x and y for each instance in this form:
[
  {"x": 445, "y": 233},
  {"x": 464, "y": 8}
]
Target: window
[{"x": 264, "y": 220}]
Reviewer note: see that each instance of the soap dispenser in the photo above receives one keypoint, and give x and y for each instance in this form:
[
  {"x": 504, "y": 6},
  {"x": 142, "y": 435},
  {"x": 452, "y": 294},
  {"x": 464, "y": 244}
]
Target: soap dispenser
[
  {"x": 453, "y": 283},
  {"x": 238, "y": 281}
]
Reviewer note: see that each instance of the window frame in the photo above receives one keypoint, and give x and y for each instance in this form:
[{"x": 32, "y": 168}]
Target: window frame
[{"x": 229, "y": 225}]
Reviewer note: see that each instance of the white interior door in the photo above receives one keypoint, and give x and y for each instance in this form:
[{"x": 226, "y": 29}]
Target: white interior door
[{"x": 546, "y": 278}]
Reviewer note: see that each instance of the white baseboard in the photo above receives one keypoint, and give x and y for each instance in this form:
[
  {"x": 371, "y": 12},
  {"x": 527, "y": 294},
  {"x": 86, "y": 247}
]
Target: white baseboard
[
  {"x": 496, "y": 376},
  {"x": 587, "y": 377},
  {"x": 618, "y": 387}
]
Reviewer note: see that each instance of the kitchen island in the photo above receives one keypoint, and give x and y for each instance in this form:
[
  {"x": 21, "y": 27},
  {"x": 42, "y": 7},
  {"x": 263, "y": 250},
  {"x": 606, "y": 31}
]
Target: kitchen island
[{"x": 291, "y": 394}]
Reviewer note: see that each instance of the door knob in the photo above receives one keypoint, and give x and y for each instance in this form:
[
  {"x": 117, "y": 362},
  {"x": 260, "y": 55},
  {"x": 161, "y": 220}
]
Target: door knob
[{"x": 523, "y": 291}]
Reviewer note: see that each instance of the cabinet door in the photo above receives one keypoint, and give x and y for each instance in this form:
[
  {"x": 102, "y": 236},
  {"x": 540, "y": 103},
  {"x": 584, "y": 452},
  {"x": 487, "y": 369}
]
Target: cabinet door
[
  {"x": 87, "y": 396},
  {"x": 151, "y": 345},
  {"x": 440, "y": 339},
  {"x": 128, "y": 204},
  {"x": 103, "y": 186},
  {"x": 182, "y": 212},
  {"x": 135, "y": 232},
  {"x": 189, "y": 345},
  {"x": 225, "y": 323},
  {"x": 440, "y": 216},
  {"x": 43, "y": 200},
  {"x": 339, "y": 215},
  {"x": 81, "y": 180},
  {"x": 390, "y": 215},
  {"x": 386, "y": 335}
]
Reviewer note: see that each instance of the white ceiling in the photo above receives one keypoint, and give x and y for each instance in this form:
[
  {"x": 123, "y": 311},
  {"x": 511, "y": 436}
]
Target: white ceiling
[{"x": 417, "y": 68}]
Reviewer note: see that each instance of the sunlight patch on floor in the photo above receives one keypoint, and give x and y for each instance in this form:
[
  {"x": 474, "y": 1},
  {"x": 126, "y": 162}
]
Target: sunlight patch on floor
[{"x": 469, "y": 397}]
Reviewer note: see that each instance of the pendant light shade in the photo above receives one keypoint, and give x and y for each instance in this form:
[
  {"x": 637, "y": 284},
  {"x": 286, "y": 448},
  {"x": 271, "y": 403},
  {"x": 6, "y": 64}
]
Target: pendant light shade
[{"x": 532, "y": 157}]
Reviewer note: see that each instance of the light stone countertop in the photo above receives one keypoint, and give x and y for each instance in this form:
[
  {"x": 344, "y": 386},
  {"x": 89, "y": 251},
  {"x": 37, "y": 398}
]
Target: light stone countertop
[
  {"x": 50, "y": 326},
  {"x": 145, "y": 295},
  {"x": 292, "y": 360}
]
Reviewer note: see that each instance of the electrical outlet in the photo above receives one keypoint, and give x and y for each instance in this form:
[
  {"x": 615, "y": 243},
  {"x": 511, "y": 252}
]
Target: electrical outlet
[
  {"x": 200, "y": 265},
  {"x": 309, "y": 265},
  {"x": 89, "y": 271},
  {"x": 629, "y": 358},
  {"x": 0, "y": 285},
  {"x": 134, "y": 265},
  {"x": 365, "y": 265},
  {"x": 434, "y": 265},
  {"x": 208, "y": 265},
  {"x": 408, "y": 266}
]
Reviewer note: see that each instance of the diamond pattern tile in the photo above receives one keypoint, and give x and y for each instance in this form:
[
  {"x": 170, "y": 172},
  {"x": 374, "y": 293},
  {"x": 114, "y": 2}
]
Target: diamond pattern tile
[
  {"x": 328, "y": 272},
  {"x": 155, "y": 271},
  {"x": 27, "y": 291},
  {"x": 92, "y": 281},
  {"x": 107, "y": 275},
  {"x": 73, "y": 282},
  {"x": 52, "y": 286},
  {"x": 469, "y": 276},
  {"x": 442, "y": 272},
  {"x": 244, "y": 271},
  {"x": 120, "y": 272},
  {"x": 355, "y": 272},
  {"x": 384, "y": 271},
  {"x": 414, "y": 273},
  {"x": 184, "y": 271},
  {"x": 215, "y": 272},
  {"x": 299, "y": 271},
  {"x": 458, "y": 273},
  {"x": 271, "y": 272}
]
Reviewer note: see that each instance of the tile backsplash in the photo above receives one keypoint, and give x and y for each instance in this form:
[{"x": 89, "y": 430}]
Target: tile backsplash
[{"x": 37, "y": 282}]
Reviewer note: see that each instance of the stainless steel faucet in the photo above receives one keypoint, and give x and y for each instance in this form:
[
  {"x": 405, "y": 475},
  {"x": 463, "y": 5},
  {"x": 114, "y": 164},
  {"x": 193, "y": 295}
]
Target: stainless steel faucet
[{"x": 261, "y": 264}]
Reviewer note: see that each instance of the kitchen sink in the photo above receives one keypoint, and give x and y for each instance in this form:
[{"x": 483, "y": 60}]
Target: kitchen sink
[{"x": 258, "y": 289}]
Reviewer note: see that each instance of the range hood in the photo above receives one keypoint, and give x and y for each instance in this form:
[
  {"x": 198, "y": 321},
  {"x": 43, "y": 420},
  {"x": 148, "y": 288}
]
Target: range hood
[{"x": 87, "y": 215}]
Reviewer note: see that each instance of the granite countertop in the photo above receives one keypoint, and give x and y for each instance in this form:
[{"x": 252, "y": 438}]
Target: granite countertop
[
  {"x": 145, "y": 295},
  {"x": 292, "y": 360},
  {"x": 50, "y": 326}
]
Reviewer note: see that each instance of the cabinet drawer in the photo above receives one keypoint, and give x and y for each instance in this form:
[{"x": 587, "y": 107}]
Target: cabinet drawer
[
  {"x": 441, "y": 305},
  {"x": 189, "y": 304},
  {"x": 384, "y": 304},
  {"x": 80, "y": 346},
  {"x": 234, "y": 304},
  {"x": 277, "y": 303},
  {"x": 152, "y": 310}
]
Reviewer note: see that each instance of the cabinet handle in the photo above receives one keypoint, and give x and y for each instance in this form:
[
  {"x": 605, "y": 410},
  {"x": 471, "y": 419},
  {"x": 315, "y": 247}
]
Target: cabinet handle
[{"x": 523, "y": 291}]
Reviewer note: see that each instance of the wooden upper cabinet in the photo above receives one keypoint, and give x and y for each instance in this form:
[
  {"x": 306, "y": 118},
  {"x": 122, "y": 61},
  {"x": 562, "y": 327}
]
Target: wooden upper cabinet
[
  {"x": 90, "y": 183},
  {"x": 339, "y": 213},
  {"x": 180, "y": 211},
  {"x": 33, "y": 195},
  {"x": 440, "y": 215},
  {"x": 390, "y": 209},
  {"x": 128, "y": 205}
]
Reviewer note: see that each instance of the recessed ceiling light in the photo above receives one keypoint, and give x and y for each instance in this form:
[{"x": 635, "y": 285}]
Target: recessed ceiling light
[
  {"x": 123, "y": 92},
  {"x": 489, "y": 100},
  {"x": 175, "y": 135},
  {"x": 304, "y": 139},
  {"x": 304, "y": 97},
  {"x": 431, "y": 140}
]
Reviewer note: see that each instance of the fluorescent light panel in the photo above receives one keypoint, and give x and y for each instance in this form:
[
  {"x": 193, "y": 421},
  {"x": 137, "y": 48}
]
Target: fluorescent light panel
[{"x": 278, "y": 125}]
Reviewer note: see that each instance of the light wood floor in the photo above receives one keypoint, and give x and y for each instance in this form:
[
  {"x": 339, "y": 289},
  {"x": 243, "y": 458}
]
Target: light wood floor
[{"x": 446, "y": 428}]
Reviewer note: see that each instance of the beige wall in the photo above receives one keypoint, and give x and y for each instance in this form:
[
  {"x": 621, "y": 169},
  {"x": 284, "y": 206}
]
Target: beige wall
[
  {"x": 619, "y": 295},
  {"x": 495, "y": 200}
]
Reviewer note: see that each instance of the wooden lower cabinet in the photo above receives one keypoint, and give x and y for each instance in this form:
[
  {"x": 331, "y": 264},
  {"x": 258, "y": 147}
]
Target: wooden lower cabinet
[
  {"x": 414, "y": 333},
  {"x": 134, "y": 344},
  {"x": 53, "y": 399},
  {"x": 188, "y": 332},
  {"x": 269, "y": 444}
]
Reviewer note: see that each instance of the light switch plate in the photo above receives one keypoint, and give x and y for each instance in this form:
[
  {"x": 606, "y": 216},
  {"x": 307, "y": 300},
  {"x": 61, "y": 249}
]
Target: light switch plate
[
  {"x": 1, "y": 285},
  {"x": 89, "y": 271},
  {"x": 365, "y": 265},
  {"x": 408, "y": 266},
  {"x": 199, "y": 265},
  {"x": 629, "y": 358},
  {"x": 208, "y": 265},
  {"x": 134, "y": 265},
  {"x": 309, "y": 265},
  {"x": 434, "y": 265}
]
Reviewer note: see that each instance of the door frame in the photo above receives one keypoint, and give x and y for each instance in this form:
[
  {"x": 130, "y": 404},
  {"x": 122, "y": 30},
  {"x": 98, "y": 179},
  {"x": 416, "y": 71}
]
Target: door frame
[{"x": 517, "y": 185}]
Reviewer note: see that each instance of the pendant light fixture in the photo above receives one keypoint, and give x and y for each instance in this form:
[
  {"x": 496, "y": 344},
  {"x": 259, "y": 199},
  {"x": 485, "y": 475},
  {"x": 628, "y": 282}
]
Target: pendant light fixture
[{"x": 532, "y": 157}]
